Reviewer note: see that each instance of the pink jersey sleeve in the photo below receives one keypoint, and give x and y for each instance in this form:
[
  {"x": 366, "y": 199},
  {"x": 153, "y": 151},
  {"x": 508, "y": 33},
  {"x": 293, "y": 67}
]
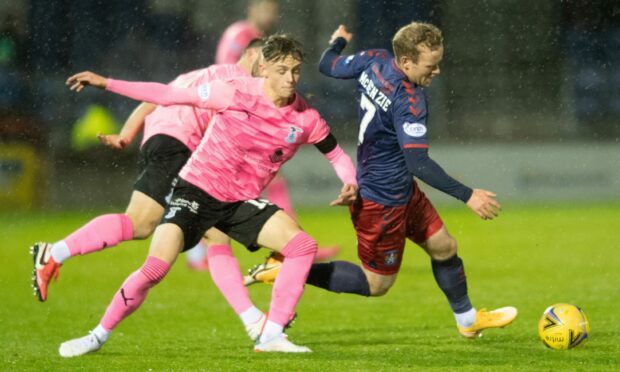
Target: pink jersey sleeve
[
  {"x": 320, "y": 129},
  {"x": 217, "y": 95}
]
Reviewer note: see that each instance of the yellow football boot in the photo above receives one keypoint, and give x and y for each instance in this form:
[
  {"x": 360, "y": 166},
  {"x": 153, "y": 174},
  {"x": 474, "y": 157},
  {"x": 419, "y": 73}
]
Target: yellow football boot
[
  {"x": 498, "y": 318},
  {"x": 265, "y": 272}
]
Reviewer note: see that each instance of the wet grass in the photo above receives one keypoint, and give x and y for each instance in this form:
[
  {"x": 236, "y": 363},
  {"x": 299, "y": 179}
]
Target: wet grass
[{"x": 531, "y": 257}]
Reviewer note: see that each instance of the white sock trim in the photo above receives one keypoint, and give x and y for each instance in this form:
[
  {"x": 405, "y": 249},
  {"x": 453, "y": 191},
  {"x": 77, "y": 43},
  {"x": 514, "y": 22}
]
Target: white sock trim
[
  {"x": 101, "y": 333},
  {"x": 251, "y": 315},
  {"x": 271, "y": 331},
  {"x": 60, "y": 251},
  {"x": 466, "y": 319}
]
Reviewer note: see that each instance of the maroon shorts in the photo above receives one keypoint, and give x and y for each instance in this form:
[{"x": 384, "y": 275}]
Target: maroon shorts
[{"x": 381, "y": 230}]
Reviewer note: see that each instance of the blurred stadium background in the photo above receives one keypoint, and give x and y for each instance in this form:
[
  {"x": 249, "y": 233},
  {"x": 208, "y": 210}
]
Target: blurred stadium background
[{"x": 527, "y": 104}]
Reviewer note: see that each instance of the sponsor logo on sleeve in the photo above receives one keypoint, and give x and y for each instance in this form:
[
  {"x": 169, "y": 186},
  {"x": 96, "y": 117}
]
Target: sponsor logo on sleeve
[
  {"x": 204, "y": 91},
  {"x": 414, "y": 129}
]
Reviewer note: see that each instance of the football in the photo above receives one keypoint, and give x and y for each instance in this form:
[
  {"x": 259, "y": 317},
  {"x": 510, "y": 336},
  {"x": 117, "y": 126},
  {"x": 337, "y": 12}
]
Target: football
[{"x": 563, "y": 326}]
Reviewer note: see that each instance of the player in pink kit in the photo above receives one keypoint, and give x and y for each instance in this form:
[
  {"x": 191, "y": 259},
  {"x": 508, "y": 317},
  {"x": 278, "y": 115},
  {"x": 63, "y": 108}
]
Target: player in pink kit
[
  {"x": 171, "y": 134},
  {"x": 262, "y": 17},
  {"x": 259, "y": 125}
]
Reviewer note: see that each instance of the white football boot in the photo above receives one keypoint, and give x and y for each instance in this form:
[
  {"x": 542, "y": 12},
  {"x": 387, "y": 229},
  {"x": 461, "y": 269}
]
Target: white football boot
[
  {"x": 280, "y": 344},
  {"x": 80, "y": 346}
]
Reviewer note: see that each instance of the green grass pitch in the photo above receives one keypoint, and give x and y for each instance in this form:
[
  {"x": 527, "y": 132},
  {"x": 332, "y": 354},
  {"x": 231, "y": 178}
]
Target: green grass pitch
[{"x": 530, "y": 257}]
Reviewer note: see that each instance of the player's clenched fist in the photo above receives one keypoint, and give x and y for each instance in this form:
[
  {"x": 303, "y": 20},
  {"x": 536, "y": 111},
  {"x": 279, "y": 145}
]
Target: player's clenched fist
[
  {"x": 341, "y": 31},
  {"x": 78, "y": 81},
  {"x": 484, "y": 204}
]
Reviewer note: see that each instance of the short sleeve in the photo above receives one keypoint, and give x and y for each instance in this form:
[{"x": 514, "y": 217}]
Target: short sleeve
[{"x": 318, "y": 129}]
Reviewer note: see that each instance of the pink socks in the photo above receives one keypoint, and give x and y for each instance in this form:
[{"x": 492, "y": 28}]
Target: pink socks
[
  {"x": 133, "y": 291},
  {"x": 104, "y": 231},
  {"x": 227, "y": 276},
  {"x": 298, "y": 256}
]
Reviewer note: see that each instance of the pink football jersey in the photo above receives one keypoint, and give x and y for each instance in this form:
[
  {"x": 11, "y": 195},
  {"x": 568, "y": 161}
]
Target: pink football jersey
[
  {"x": 246, "y": 144},
  {"x": 234, "y": 40},
  {"x": 188, "y": 123},
  {"x": 248, "y": 139}
]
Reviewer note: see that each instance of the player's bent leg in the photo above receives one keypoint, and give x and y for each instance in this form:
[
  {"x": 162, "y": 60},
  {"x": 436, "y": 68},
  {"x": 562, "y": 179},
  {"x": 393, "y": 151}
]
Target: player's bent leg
[
  {"x": 102, "y": 232},
  {"x": 449, "y": 273},
  {"x": 267, "y": 271},
  {"x": 281, "y": 233},
  {"x": 227, "y": 277},
  {"x": 166, "y": 245},
  {"x": 145, "y": 214},
  {"x": 379, "y": 284}
]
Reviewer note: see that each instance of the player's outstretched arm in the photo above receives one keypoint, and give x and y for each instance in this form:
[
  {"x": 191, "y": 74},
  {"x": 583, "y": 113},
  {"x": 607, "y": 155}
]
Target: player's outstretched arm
[
  {"x": 133, "y": 125},
  {"x": 157, "y": 93},
  {"x": 482, "y": 202}
]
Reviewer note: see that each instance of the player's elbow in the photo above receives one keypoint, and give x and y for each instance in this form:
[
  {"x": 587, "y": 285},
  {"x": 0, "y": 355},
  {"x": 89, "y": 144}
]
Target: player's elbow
[
  {"x": 324, "y": 67},
  {"x": 325, "y": 64}
]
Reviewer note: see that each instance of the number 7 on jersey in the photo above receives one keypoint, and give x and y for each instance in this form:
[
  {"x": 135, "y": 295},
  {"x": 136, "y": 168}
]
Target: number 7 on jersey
[{"x": 366, "y": 105}]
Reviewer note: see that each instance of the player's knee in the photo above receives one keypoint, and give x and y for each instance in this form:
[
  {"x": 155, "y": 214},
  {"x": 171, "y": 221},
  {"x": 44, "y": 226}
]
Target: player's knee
[
  {"x": 143, "y": 226},
  {"x": 301, "y": 244},
  {"x": 379, "y": 289},
  {"x": 444, "y": 249}
]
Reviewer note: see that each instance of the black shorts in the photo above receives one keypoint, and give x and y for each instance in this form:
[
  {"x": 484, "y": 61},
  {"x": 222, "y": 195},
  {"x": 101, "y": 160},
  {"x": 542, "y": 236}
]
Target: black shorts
[
  {"x": 195, "y": 211},
  {"x": 161, "y": 160}
]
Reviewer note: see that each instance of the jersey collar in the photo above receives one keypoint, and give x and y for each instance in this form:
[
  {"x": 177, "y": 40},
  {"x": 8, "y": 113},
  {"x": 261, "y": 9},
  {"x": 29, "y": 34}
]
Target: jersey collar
[{"x": 397, "y": 69}]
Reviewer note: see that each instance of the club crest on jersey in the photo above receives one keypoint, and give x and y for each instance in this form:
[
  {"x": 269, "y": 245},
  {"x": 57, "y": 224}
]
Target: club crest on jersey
[
  {"x": 291, "y": 137},
  {"x": 414, "y": 129},
  {"x": 390, "y": 258}
]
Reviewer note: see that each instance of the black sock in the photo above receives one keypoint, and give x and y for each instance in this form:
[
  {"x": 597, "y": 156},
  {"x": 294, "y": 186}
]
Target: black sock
[
  {"x": 339, "y": 277},
  {"x": 450, "y": 276}
]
